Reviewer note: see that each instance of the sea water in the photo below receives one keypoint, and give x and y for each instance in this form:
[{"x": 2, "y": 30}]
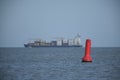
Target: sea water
[{"x": 59, "y": 64}]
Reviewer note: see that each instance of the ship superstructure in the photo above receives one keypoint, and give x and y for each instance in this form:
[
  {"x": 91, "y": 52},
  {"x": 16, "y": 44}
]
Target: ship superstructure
[{"x": 60, "y": 42}]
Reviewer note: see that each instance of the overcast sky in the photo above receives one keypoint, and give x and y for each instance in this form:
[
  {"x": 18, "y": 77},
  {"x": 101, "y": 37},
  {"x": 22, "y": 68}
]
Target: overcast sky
[{"x": 24, "y": 20}]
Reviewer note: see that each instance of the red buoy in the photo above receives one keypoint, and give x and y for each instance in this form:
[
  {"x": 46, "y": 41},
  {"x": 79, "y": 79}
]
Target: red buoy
[{"x": 87, "y": 57}]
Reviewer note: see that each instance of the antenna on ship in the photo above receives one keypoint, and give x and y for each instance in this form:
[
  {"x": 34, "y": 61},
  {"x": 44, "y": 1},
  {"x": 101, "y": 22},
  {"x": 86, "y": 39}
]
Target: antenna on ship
[{"x": 78, "y": 35}]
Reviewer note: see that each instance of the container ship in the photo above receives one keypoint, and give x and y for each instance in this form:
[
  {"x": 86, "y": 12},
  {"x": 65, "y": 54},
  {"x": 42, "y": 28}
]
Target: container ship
[{"x": 61, "y": 42}]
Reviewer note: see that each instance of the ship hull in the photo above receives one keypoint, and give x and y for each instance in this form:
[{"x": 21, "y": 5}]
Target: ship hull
[{"x": 28, "y": 46}]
